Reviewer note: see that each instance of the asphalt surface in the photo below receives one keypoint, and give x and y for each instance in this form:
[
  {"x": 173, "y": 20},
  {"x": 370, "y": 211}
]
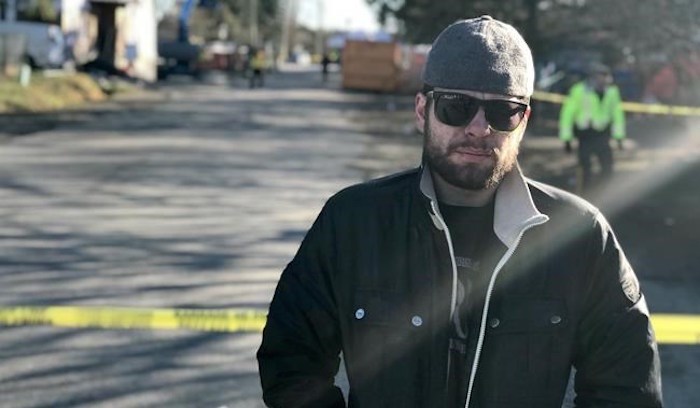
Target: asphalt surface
[{"x": 198, "y": 198}]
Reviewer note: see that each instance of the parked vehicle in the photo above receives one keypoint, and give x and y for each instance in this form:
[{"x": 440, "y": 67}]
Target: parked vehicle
[
  {"x": 177, "y": 57},
  {"x": 44, "y": 43}
]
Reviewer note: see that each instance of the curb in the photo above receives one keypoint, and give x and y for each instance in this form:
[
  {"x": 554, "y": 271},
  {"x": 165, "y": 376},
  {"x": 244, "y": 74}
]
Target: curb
[{"x": 13, "y": 124}]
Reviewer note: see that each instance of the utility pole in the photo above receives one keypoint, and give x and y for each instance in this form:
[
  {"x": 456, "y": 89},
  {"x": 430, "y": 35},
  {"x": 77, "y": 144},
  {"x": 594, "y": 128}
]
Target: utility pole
[
  {"x": 290, "y": 16},
  {"x": 11, "y": 10},
  {"x": 253, "y": 22},
  {"x": 320, "y": 40}
]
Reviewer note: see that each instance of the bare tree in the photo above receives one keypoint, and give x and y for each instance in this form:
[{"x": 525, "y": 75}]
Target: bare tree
[{"x": 633, "y": 26}]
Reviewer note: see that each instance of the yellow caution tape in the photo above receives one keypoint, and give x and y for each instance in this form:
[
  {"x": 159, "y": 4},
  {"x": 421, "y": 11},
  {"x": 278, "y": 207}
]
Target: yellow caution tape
[
  {"x": 648, "y": 108},
  {"x": 548, "y": 97},
  {"x": 669, "y": 328},
  {"x": 220, "y": 320},
  {"x": 676, "y": 329}
]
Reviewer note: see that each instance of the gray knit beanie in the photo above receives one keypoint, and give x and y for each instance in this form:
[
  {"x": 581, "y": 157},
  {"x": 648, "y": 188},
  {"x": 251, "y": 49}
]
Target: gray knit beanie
[{"x": 481, "y": 54}]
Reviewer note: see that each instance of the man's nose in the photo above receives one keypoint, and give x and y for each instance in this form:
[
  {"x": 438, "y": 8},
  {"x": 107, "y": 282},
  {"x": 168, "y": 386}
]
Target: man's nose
[{"x": 479, "y": 126}]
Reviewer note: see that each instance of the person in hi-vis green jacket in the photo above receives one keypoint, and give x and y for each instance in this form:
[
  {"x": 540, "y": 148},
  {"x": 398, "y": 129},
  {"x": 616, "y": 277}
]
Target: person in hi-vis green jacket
[{"x": 592, "y": 113}]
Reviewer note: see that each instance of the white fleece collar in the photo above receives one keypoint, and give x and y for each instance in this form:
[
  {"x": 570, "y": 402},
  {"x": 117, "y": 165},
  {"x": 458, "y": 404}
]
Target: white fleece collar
[{"x": 514, "y": 207}]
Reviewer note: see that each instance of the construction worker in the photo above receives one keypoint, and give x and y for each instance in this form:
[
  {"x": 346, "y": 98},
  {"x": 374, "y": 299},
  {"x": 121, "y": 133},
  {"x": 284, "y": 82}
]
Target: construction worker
[
  {"x": 258, "y": 64},
  {"x": 592, "y": 112},
  {"x": 325, "y": 64}
]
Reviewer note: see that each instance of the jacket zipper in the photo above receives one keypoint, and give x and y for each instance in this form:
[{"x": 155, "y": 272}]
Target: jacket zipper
[
  {"x": 453, "y": 262},
  {"x": 443, "y": 226},
  {"x": 487, "y": 301}
]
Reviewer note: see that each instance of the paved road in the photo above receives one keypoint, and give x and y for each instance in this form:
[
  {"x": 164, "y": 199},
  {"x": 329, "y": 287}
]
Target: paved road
[{"x": 199, "y": 201}]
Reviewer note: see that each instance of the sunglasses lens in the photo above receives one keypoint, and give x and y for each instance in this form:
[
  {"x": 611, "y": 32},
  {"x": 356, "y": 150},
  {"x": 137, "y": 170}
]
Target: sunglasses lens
[
  {"x": 503, "y": 115},
  {"x": 455, "y": 109}
]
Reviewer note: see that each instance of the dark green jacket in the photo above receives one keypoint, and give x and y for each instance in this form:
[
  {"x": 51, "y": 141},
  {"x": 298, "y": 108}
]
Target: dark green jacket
[{"x": 374, "y": 279}]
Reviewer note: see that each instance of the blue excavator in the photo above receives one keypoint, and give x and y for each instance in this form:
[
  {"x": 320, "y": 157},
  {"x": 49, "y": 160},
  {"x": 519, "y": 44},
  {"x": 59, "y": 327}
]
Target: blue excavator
[{"x": 181, "y": 56}]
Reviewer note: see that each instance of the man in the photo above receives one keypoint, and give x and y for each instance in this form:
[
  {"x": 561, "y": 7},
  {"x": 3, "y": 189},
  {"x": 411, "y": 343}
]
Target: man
[
  {"x": 258, "y": 64},
  {"x": 461, "y": 283},
  {"x": 592, "y": 112},
  {"x": 325, "y": 64}
]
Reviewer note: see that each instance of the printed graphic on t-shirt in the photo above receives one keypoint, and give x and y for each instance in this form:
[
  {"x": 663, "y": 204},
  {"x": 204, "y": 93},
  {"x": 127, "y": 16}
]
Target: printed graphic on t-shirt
[{"x": 467, "y": 263}]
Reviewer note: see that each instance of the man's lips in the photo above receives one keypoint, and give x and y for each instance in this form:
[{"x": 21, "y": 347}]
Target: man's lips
[{"x": 473, "y": 151}]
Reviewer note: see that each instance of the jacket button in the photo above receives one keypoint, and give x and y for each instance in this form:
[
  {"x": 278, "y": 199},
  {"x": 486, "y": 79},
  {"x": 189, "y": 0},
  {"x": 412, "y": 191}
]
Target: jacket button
[
  {"x": 555, "y": 319},
  {"x": 359, "y": 313},
  {"x": 417, "y": 321},
  {"x": 494, "y": 322}
]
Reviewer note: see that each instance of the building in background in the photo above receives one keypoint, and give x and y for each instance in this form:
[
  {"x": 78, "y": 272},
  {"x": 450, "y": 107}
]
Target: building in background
[{"x": 117, "y": 35}]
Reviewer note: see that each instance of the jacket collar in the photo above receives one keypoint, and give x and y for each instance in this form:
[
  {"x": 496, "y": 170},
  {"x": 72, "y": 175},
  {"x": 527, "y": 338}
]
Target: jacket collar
[{"x": 514, "y": 209}]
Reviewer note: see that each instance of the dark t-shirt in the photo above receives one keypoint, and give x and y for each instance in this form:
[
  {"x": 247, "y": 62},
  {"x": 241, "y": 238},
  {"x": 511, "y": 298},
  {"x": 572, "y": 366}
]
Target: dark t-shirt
[{"x": 477, "y": 251}]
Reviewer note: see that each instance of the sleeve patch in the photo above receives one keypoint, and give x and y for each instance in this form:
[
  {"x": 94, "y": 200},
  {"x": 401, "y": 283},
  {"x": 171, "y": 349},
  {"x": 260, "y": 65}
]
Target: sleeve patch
[{"x": 630, "y": 283}]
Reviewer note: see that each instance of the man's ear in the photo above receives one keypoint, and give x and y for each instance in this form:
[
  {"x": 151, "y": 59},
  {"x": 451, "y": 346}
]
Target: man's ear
[
  {"x": 420, "y": 103},
  {"x": 523, "y": 125}
]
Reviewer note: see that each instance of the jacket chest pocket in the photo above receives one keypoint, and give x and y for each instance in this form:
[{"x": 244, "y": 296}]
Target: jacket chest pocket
[
  {"x": 384, "y": 334},
  {"x": 525, "y": 351}
]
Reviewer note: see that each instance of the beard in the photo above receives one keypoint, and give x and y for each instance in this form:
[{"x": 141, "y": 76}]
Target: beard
[{"x": 470, "y": 176}]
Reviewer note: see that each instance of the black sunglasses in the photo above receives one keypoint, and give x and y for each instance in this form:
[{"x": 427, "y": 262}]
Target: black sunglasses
[{"x": 457, "y": 109}]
